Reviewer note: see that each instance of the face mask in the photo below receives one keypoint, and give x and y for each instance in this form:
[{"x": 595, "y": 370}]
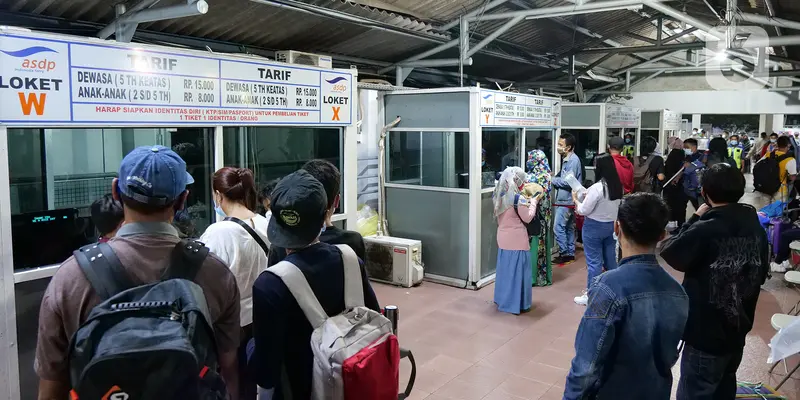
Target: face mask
[
  {"x": 483, "y": 163},
  {"x": 219, "y": 211},
  {"x": 628, "y": 141},
  {"x": 734, "y": 142},
  {"x": 561, "y": 150},
  {"x": 687, "y": 151},
  {"x": 773, "y": 140}
]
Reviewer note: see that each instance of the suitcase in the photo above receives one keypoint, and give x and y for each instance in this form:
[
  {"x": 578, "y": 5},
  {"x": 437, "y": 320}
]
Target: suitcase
[{"x": 775, "y": 227}]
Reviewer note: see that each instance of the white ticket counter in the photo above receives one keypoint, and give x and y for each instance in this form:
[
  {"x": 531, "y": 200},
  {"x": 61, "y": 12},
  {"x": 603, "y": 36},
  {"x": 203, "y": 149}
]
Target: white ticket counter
[
  {"x": 71, "y": 108},
  {"x": 442, "y": 160}
]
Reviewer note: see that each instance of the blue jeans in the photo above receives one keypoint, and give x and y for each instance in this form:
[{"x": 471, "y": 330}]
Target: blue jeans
[
  {"x": 564, "y": 230},
  {"x": 706, "y": 376},
  {"x": 599, "y": 247}
]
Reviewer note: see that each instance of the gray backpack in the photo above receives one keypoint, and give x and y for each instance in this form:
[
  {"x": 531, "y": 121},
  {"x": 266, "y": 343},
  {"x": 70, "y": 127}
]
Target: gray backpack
[{"x": 356, "y": 355}]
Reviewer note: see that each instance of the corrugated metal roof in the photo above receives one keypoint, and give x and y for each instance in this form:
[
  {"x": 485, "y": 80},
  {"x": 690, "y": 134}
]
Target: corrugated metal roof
[{"x": 254, "y": 24}]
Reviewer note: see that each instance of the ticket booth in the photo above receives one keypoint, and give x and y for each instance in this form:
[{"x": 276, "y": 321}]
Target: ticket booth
[
  {"x": 67, "y": 121},
  {"x": 442, "y": 161},
  {"x": 593, "y": 124},
  {"x": 661, "y": 125}
]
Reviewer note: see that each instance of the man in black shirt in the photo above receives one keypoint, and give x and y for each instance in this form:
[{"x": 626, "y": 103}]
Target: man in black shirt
[
  {"x": 281, "y": 331},
  {"x": 330, "y": 178},
  {"x": 723, "y": 252}
]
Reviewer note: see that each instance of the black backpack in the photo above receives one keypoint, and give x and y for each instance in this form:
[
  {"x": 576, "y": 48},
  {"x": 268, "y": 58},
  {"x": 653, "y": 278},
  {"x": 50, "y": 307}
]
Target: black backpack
[
  {"x": 153, "y": 341},
  {"x": 534, "y": 227},
  {"x": 767, "y": 174}
]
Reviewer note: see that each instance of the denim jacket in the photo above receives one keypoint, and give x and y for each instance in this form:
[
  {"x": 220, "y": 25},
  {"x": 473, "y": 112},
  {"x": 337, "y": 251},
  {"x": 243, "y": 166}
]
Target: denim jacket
[
  {"x": 627, "y": 341},
  {"x": 571, "y": 164}
]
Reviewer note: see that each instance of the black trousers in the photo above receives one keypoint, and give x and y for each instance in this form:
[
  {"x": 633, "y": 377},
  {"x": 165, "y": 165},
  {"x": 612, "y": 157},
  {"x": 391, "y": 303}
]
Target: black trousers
[
  {"x": 676, "y": 201},
  {"x": 247, "y": 385},
  {"x": 706, "y": 376}
]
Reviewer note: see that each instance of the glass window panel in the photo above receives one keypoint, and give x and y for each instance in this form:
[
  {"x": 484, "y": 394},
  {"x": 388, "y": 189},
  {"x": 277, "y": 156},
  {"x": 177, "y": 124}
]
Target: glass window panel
[
  {"x": 438, "y": 159},
  {"x": 502, "y": 151},
  {"x": 58, "y": 173},
  {"x": 541, "y": 140},
  {"x": 274, "y": 152},
  {"x": 587, "y": 142},
  {"x": 28, "y": 297}
]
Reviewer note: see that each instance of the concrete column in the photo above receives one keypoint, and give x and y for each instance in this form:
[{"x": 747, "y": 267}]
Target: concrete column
[
  {"x": 696, "y": 120},
  {"x": 777, "y": 122},
  {"x": 762, "y": 123}
]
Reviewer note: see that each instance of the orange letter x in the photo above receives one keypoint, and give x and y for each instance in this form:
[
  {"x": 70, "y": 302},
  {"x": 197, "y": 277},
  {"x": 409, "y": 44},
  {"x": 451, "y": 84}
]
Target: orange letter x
[{"x": 336, "y": 113}]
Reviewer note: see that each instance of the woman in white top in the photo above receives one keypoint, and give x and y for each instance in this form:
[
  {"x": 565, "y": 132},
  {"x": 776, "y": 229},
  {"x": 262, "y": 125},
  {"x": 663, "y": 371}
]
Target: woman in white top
[
  {"x": 235, "y": 199},
  {"x": 599, "y": 206}
]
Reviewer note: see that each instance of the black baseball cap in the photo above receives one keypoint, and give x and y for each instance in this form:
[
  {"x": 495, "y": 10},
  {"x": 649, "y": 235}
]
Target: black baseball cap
[
  {"x": 298, "y": 209},
  {"x": 616, "y": 143}
]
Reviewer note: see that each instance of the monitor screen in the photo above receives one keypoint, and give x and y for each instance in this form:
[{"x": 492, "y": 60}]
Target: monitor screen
[{"x": 48, "y": 237}]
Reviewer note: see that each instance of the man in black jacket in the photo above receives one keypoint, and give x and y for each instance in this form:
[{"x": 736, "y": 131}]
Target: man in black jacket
[{"x": 723, "y": 252}]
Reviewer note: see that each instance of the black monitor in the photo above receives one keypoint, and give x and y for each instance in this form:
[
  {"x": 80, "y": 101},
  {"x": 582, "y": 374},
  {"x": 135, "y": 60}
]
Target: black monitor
[{"x": 48, "y": 237}]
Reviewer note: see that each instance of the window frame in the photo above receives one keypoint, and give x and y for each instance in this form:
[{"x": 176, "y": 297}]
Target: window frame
[
  {"x": 243, "y": 133},
  {"x": 421, "y": 132}
]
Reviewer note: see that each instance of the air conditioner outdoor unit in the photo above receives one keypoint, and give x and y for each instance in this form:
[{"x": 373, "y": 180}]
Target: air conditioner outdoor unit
[
  {"x": 394, "y": 260},
  {"x": 298, "y": 57}
]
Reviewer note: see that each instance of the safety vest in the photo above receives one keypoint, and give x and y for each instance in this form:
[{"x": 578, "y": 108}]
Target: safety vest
[
  {"x": 627, "y": 151},
  {"x": 736, "y": 153}
]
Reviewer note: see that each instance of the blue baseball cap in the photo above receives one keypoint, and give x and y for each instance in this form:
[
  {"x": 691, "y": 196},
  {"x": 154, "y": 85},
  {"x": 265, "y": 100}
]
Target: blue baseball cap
[{"x": 153, "y": 175}]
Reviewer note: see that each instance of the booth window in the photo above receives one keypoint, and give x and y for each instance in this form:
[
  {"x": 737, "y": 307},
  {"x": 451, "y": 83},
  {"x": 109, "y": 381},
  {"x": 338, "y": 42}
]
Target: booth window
[
  {"x": 274, "y": 152},
  {"x": 502, "y": 151},
  {"x": 437, "y": 159},
  {"x": 587, "y": 142},
  {"x": 56, "y": 174}
]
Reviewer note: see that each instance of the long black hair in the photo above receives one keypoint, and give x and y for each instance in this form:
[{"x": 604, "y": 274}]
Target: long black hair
[
  {"x": 606, "y": 170},
  {"x": 718, "y": 148}
]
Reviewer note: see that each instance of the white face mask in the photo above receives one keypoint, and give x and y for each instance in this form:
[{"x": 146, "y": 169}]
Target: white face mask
[
  {"x": 773, "y": 140},
  {"x": 687, "y": 151}
]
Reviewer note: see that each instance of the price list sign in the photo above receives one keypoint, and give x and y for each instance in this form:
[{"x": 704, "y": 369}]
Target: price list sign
[
  {"x": 622, "y": 117},
  {"x": 514, "y": 109},
  {"x": 95, "y": 82}
]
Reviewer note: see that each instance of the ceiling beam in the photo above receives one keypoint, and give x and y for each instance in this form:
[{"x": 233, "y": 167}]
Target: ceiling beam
[
  {"x": 478, "y": 10},
  {"x": 643, "y": 49}
]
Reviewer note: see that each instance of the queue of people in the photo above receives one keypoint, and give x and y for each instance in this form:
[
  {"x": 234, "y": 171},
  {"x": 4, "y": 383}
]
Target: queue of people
[
  {"x": 260, "y": 341},
  {"x": 638, "y": 319},
  {"x": 629, "y": 338}
]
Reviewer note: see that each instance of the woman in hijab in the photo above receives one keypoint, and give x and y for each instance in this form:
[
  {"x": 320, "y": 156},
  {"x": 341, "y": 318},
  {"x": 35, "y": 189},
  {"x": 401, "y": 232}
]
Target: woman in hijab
[
  {"x": 539, "y": 174},
  {"x": 673, "y": 192},
  {"x": 512, "y": 208}
]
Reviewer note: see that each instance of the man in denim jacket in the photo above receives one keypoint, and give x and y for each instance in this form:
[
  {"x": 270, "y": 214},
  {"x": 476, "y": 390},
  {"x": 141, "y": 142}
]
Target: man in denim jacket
[
  {"x": 627, "y": 341},
  {"x": 564, "y": 226}
]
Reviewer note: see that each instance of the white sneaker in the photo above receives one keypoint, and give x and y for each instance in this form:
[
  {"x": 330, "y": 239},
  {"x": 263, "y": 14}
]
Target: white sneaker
[
  {"x": 582, "y": 299},
  {"x": 780, "y": 268}
]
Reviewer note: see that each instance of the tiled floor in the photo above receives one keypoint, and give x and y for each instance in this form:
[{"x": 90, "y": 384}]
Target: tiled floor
[{"x": 465, "y": 349}]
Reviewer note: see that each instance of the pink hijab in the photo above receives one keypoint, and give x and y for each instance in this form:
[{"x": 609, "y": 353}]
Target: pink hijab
[{"x": 675, "y": 143}]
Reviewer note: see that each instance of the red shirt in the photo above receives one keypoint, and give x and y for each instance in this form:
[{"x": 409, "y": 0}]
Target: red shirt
[{"x": 625, "y": 172}]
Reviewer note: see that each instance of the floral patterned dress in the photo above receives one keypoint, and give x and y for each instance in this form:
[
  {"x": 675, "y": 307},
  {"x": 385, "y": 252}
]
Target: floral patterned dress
[{"x": 538, "y": 169}]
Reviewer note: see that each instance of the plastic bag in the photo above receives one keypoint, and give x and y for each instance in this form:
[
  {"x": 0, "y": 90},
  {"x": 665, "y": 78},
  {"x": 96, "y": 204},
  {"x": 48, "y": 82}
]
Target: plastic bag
[
  {"x": 367, "y": 222},
  {"x": 785, "y": 343}
]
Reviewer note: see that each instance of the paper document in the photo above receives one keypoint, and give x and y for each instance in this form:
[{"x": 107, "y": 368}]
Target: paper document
[{"x": 574, "y": 184}]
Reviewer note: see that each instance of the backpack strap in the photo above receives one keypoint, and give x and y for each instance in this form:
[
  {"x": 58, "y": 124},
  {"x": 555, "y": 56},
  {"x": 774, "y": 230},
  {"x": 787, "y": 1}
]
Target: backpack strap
[
  {"x": 252, "y": 233},
  {"x": 102, "y": 269},
  {"x": 186, "y": 259},
  {"x": 353, "y": 286},
  {"x": 294, "y": 279},
  {"x": 516, "y": 207}
]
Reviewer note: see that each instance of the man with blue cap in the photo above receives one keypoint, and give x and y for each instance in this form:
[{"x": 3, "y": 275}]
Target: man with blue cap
[{"x": 152, "y": 187}]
